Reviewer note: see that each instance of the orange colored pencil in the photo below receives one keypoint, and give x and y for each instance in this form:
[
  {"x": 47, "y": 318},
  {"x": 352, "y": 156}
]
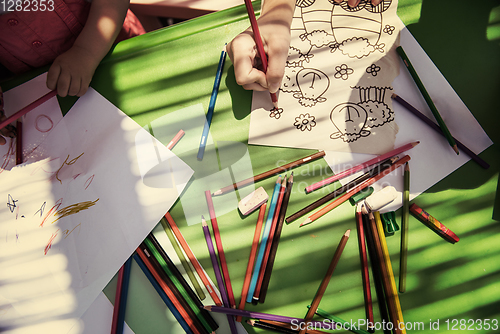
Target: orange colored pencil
[
  {"x": 220, "y": 249},
  {"x": 208, "y": 285},
  {"x": 354, "y": 190},
  {"x": 168, "y": 291},
  {"x": 326, "y": 280},
  {"x": 251, "y": 260}
]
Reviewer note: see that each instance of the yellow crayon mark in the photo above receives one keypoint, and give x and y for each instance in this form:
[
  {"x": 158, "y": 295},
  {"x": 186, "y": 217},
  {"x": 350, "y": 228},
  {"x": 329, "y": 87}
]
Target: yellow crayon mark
[
  {"x": 73, "y": 208},
  {"x": 72, "y": 161}
]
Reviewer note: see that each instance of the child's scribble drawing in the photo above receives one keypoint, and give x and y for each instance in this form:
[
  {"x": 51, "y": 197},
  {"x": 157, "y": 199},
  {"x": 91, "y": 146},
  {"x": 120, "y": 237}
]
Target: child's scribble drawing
[{"x": 340, "y": 62}]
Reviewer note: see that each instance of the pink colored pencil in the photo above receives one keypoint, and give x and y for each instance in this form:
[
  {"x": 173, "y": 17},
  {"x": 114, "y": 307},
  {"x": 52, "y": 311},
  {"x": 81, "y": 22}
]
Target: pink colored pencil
[
  {"x": 220, "y": 249},
  {"x": 361, "y": 166},
  {"x": 28, "y": 108},
  {"x": 174, "y": 140}
]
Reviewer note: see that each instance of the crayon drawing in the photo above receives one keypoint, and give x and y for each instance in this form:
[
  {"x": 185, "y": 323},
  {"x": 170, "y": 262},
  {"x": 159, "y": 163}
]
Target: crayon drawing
[{"x": 335, "y": 92}]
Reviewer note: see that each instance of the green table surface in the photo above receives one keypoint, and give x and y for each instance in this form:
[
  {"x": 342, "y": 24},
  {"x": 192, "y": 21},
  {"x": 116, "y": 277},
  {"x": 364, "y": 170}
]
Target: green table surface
[{"x": 172, "y": 68}]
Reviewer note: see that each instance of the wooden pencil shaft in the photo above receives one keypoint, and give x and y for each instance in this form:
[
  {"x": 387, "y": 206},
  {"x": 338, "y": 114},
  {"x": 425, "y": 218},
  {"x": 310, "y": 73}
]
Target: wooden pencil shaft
[
  {"x": 337, "y": 192},
  {"x": 404, "y": 230},
  {"x": 189, "y": 319},
  {"x": 114, "y": 321},
  {"x": 376, "y": 271},
  {"x": 275, "y": 242},
  {"x": 289, "y": 326},
  {"x": 436, "y": 127},
  {"x": 326, "y": 279},
  {"x": 271, "y": 172},
  {"x": 345, "y": 324},
  {"x": 178, "y": 291},
  {"x": 192, "y": 258},
  {"x": 28, "y": 108},
  {"x": 365, "y": 276},
  {"x": 220, "y": 249},
  {"x": 426, "y": 95},
  {"x": 271, "y": 327}
]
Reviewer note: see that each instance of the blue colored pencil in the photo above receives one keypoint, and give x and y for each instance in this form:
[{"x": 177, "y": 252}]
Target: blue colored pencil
[
  {"x": 264, "y": 239},
  {"x": 162, "y": 294},
  {"x": 211, "y": 105}
]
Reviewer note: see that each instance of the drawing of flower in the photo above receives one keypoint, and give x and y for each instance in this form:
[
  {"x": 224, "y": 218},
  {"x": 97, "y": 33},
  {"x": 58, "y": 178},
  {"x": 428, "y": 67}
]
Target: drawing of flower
[
  {"x": 305, "y": 122},
  {"x": 275, "y": 112},
  {"x": 388, "y": 29},
  {"x": 343, "y": 72},
  {"x": 373, "y": 70}
]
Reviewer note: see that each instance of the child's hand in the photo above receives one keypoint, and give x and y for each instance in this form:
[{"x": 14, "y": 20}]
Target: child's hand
[
  {"x": 274, "y": 27},
  {"x": 72, "y": 71},
  {"x": 9, "y": 130}
]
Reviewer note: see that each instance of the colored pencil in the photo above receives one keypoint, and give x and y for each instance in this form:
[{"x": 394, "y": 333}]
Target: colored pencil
[
  {"x": 251, "y": 260},
  {"x": 19, "y": 142},
  {"x": 389, "y": 296},
  {"x": 211, "y": 105},
  {"x": 179, "y": 282},
  {"x": 404, "y": 230},
  {"x": 218, "y": 276},
  {"x": 326, "y": 279},
  {"x": 28, "y": 108},
  {"x": 361, "y": 166},
  {"x": 258, "y": 315},
  {"x": 258, "y": 43},
  {"x": 220, "y": 249},
  {"x": 399, "y": 322},
  {"x": 176, "y": 139},
  {"x": 354, "y": 190},
  {"x": 339, "y": 191},
  {"x": 433, "y": 224},
  {"x": 182, "y": 258},
  {"x": 281, "y": 327},
  {"x": 436, "y": 127},
  {"x": 345, "y": 324},
  {"x": 427, "y": 98},
  {"x": 365, "y": 275},
  {"x": 276, "y": 240},
  {"x": 376, "y": 271},
  {"x": 121, "y": 298},
  {"x": 263, "y": 241},
  {"x": 269, "y": 173},
  {"x": 162, "y": 294},
  {"x": 168, "y": 291},
  {"x": 265, "y": 260},
  {"x": 193, "y": 259}
]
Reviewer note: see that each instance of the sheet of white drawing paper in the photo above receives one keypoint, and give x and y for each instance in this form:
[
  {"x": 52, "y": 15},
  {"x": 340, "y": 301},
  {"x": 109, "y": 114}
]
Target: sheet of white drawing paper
[
  {"x": 432, "y": 159},
  {"x": 335, "y": 94},
  {"x": 37, "y": 124},
  {"x": 72, "y": 219},
  {"x": 221, "y": 319},
  {"x": 98, "y": 318},
  {"x": 221, "y": 166}
]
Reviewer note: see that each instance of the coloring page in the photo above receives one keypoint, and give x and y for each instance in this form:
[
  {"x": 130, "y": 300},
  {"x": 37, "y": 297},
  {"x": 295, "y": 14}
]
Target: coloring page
[{"x": 336, "y": 92}]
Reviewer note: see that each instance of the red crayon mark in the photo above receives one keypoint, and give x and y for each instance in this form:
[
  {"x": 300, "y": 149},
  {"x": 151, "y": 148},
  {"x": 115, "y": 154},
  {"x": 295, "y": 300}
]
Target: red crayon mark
[
  {"x": 89, "y": 181},
  {"x": 43, "y": 123},
  {"x": 49, "y": 244}
]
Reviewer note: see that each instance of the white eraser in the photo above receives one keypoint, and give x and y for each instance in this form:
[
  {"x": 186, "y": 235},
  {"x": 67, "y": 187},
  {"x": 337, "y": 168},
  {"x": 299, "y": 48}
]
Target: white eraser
[
  {"x": 381, "y": 198},
  {"x": 253, "y": 201}
]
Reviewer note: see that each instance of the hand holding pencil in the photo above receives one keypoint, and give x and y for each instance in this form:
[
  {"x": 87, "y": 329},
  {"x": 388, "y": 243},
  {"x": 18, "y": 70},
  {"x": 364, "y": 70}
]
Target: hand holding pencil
[{"x": 274, "y": 30}]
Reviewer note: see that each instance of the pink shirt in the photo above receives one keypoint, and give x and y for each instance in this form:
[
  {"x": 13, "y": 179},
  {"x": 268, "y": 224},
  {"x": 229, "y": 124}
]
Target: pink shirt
[{"x": 32, "y": 39}]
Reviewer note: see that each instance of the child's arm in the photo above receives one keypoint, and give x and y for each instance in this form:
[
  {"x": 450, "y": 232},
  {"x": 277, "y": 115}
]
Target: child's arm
[
  {"x": 274, "y": 26},
  {"x": 72, "y": 71}
]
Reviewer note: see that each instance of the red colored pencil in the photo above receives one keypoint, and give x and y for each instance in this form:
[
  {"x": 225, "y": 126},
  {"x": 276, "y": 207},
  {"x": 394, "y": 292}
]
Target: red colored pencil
[
  {"x": 28, "y": 108},
  {"x": 193, "y": 259},
  {"x": 220, "y": 249},
  {"x": 251, "y": 260},
  {"x": 19, "y": 142},
  {"x": 433, "y": 224},
  {"x": 258, "y": 43}
]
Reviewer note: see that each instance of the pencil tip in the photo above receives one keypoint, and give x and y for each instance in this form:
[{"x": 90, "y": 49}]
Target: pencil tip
[
  {"x": 394, "y": 95},
  {"x": 347, "y": 233},
  {"x": 218, "y": 192},
  {"x": 307, "y": 221},
  {"x": 455, "y": 148}
]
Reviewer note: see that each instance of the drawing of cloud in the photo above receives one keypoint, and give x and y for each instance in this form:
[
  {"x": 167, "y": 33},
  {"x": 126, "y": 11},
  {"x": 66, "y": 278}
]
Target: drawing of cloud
[
  {"x": 356, "y": 47},
  {"x": 319, "y": 38}
]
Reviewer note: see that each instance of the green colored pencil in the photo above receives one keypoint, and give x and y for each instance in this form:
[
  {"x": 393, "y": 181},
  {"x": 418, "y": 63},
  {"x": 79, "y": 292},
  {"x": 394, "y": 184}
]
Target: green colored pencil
[
  {"x": 345, "y": 324},
  {"x": 404, "y": 230},
  {"x": 427, "y": 98}
]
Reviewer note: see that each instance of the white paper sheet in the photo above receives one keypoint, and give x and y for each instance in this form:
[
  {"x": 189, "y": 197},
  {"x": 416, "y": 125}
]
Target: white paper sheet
[
  {"x": 433, "y": 159},
  {"x": 37, "y": 124},
  {"x": 72, "y": 219},
  {"x": 336, "y": 92}
]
